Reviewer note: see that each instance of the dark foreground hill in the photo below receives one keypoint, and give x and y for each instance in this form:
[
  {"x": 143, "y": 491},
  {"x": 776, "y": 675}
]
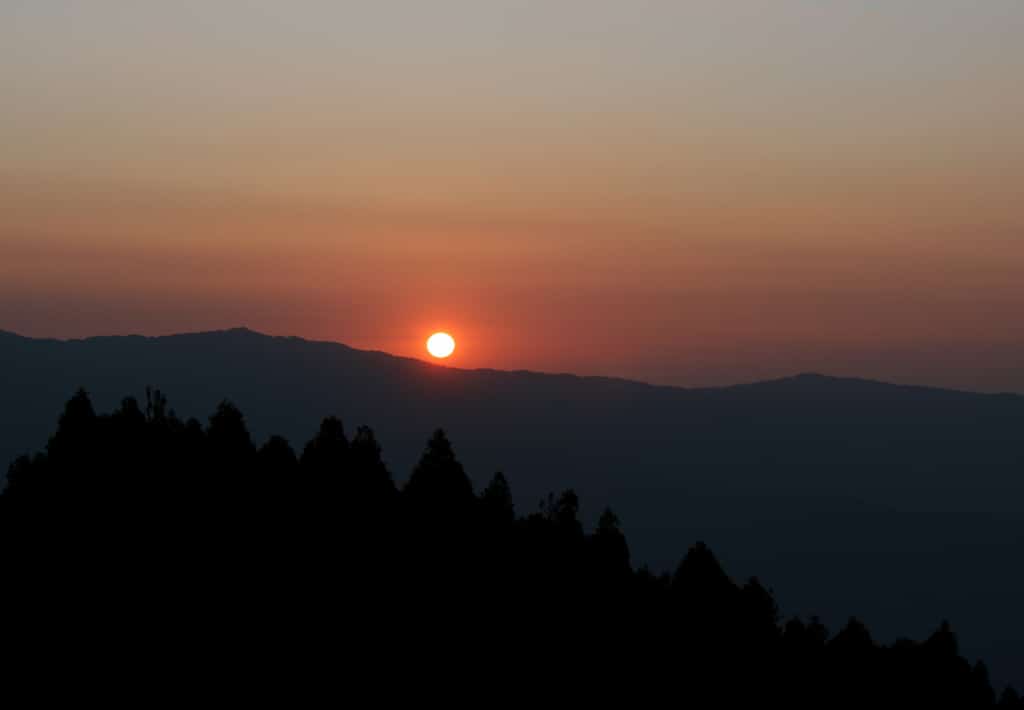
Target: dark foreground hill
[
  {"x": 147, "y": 539},
  {"x": 900, "y": 505}
]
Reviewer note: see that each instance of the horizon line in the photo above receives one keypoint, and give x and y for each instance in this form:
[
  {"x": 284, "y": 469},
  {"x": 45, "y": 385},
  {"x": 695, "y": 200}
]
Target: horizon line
[{"x": 798, "y": 376}]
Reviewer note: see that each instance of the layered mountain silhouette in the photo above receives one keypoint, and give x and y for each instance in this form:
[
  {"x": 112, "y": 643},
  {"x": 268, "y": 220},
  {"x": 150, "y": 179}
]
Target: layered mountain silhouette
[{"x": 901, "y": 505}]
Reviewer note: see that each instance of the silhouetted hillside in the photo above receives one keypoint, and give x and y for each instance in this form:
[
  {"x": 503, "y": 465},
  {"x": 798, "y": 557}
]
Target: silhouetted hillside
[
  {"x": 901, "y": 505},
  {"x": 188, "y": 537}
]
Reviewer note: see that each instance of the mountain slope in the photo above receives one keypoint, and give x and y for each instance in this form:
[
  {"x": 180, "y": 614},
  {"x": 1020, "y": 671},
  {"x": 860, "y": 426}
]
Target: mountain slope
[
  {"x": 891, "y": 446},
  {"x": 852, "y": 495}
]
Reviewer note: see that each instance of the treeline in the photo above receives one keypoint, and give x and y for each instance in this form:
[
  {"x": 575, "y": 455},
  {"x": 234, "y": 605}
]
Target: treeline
[{"x": 142, "y": 523}]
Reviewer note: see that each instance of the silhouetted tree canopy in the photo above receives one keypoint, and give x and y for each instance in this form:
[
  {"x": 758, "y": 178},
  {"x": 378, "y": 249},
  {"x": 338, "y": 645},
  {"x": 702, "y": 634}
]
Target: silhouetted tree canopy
[
  {"x": 276, "y": 456},
  {"x": 326, "y": 453},
  {"x": 439, "y": 479},
  {"x": 139, "y": 520},
  {"x": 496, "y": 499},
  {"x": 371, "y": 480}
]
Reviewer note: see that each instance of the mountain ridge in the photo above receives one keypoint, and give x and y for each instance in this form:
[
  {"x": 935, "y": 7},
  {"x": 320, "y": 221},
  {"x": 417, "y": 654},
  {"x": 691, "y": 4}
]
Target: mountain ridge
[
  {"x": 797, "y": 379},
  {"x": 827, "y": 486}
]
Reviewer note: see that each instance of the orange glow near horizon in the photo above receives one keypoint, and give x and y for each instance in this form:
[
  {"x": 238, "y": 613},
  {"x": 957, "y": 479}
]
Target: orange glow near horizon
[{"x": 726, "y": 192}]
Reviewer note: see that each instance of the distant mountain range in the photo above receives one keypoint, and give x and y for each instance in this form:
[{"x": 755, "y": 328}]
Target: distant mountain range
[{"x": 899, "y": 504}]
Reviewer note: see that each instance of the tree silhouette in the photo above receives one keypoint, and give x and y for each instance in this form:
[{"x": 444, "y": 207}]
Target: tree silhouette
[
  {"x": 151, "y": 523},
  {"x": 276, "y": 456},
  {"x": 496, "y": 499},
  {"x": 439, "y": 481},
  {"x": 371, "y": 481},
  {"x": 700, "y": 578},
  {"x": 609, "y": 549},
  {"x": 326, "y": 453}
]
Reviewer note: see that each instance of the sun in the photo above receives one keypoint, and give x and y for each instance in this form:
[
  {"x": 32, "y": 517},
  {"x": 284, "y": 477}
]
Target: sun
[{"x": 440, "y": 345}]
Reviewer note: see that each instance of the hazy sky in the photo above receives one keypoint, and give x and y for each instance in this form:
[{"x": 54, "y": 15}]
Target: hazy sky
[{"x": 679, "y": 191}]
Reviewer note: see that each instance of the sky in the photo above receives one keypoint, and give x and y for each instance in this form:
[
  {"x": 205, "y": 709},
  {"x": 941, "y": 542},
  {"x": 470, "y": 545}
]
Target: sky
[{"x": 679, "y": 191}]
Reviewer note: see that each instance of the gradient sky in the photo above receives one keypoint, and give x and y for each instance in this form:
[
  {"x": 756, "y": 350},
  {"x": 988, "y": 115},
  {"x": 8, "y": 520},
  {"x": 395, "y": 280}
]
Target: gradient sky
[{"x": 683, "y": 192}]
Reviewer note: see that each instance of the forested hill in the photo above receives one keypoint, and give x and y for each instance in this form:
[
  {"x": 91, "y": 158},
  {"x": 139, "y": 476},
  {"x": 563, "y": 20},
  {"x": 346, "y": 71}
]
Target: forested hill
[
  {"x": 181, "y": 531},
  {"x": 900, "y": 504}
]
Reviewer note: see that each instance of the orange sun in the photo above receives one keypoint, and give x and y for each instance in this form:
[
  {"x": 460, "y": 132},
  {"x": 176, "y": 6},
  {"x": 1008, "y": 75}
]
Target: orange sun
[{"x": 440, "y": 345}]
